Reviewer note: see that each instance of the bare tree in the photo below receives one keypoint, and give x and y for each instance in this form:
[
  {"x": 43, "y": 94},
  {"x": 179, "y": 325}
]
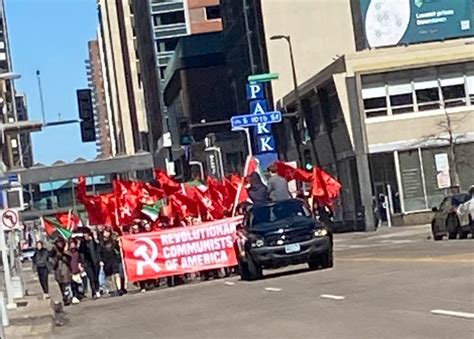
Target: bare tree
[{"x": 446, "y": 133}]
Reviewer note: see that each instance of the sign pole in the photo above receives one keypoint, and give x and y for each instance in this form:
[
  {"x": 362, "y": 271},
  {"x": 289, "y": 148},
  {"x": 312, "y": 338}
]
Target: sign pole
[
  {"x": 249, "y": 141},
  {"x": 9, "y": 220},
  {"x": 6, "y": 270}
]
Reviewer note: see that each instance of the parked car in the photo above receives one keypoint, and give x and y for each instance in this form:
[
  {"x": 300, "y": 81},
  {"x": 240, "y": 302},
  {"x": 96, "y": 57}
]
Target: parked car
[
  {"x": 447, "y": 222},
  {"x": 281, "y": 234},
  {"x": 27, "y": 254}
]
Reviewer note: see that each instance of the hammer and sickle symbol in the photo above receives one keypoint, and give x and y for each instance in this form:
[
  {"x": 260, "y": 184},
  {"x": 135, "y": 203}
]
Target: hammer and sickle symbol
[{"x": 146, "y": 259}]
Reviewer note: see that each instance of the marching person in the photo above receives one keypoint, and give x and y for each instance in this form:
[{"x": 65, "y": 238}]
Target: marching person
[
  {"x": 40, "y": 262},
  {"x": 257, "y": 191},
  {"x": 110, "y": 255},
  {"x": 76, "y": 271},
  {"x": 91, "y": 259},
  {"x": 61, "y": 259},
  {"x": 277, "y": 186}
]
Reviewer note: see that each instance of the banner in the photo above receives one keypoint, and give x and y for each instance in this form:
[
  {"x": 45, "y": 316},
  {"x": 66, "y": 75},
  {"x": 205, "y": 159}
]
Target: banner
[
  {"x": 180, "y": 250},
  {"x": 397, "y": 22}
]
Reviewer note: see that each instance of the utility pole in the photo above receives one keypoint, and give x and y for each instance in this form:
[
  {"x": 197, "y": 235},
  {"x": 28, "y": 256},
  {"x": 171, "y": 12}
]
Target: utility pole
[{"x": 248, "y": 32}]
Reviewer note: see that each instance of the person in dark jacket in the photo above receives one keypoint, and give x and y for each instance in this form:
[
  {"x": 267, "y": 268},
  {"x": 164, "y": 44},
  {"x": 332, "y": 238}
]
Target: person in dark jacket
[
  {"x": 277, "y": 186},
  {"x": 110, "y": 255},
  {"x": 90, "y": 256},
  {"x": 61, "y": 260},
  {"x": 40, "y": 262},
  {"x": 257, "y": 191},
  {"x": 76, "y": 270}
]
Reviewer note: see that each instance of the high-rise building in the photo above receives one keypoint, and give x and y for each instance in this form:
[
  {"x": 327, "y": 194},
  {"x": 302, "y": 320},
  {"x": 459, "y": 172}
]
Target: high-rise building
[
  {"x": 11, "y": 147},
  {"x": 168, "y": 19},
  {"x": 204, "y": 16},
  {"x": 96, "y": 84},
  {"x": 123, "y": 77},
  {"x": 25, "y": 137},
  {"x": 172, "y": 19}
]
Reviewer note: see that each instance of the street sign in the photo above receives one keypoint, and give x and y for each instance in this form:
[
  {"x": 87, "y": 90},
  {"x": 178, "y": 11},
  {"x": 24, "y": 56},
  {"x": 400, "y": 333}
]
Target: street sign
[
  {"x": 265, "y": 77},
  {"x": 10, "y": 219},
  {"x": 250, "y": 120}
]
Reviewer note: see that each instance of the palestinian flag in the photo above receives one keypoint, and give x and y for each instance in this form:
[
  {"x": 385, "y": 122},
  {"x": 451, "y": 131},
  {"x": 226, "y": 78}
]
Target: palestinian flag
[
  {"x": 153, "y": 211},
  {"x": 51, "y": 226}
]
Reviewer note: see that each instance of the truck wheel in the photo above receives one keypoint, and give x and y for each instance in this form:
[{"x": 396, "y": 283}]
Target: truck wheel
[
  {"x": 452, "y": 225},
  {"x": 462, "y": 234},
  {"x": 255, "y": 271},
  {"x": 244, "y": 271},
  {"x": 314, "y": 263},
  {"x": 328, "y": 259}
]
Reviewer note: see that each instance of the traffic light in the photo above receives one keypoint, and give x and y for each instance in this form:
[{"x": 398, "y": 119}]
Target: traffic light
[
  {"x": 86, "y": 115},
  {"x": 308, "y": 160}
]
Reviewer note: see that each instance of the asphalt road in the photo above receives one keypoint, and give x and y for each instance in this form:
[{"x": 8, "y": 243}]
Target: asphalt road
[{"x": 390, "y": 282}]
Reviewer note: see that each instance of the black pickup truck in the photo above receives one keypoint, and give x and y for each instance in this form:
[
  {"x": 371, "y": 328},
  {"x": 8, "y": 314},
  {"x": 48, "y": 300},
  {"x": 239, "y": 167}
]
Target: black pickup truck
[{"x": 281, "y": 234}]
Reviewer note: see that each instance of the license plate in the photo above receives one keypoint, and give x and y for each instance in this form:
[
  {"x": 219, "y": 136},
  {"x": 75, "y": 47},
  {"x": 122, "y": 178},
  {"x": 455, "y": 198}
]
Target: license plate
[{"x": 292, "y": 248}]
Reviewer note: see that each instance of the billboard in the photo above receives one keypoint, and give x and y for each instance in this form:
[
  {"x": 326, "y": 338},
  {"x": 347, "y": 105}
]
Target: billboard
[{"x": 399, "y": 22}]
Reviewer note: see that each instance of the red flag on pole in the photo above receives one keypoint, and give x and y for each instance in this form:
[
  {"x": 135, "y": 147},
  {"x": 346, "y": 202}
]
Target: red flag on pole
[
  {"x": 291, "y": 173},
  {"x": 70, "y": 220},
  {"x": 325, "y": 188},
  {"x": 169, "y": 185}
]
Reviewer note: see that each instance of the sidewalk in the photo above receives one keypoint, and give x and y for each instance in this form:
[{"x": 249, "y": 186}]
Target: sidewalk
[
  {"x": 34, "y": 317},
  {"x": 387, "y": 232}
]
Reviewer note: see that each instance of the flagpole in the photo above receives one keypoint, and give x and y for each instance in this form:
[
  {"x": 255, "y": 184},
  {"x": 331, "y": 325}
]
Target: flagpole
[
  {"x": 239, "y": 188},
  {"x": 69, "y": 219}
]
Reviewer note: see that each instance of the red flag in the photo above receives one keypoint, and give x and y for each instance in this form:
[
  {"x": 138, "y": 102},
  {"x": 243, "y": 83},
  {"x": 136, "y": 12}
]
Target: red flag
[
  {"x": 169, "y": 185},
  {"x": 81, "y": 189},
  {"x": 127, "y": 201},
  {"x": 70, "y": 220},
  {"x": 232, "y": 188},
  {"x": 291, "y": 173},
  {"x": 188, "y": 203},
  {"x": 218, "y": 193},
  {"x": 325, "y": 188},
  {"x": 48, "y": 227}
]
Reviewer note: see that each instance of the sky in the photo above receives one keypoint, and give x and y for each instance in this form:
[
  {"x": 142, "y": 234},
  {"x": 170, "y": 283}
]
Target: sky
[{"x": 51, "y": 36}]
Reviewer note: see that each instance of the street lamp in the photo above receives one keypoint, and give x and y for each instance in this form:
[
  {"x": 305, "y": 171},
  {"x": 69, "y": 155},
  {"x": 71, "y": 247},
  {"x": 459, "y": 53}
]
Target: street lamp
[{"x": 299, "y": 107}]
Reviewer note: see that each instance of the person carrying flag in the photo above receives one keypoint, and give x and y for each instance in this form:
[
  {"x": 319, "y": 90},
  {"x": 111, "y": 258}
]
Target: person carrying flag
[{"x": 91, "y": 259}]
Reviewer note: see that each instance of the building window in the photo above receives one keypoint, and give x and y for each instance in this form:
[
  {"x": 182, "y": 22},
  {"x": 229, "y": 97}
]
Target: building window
[
  {"x": 470, "y": 87},
  {"x": 454, "y": 92},
  {"x": 427, "y": 95},
  {"x": 375, "y": 101},
  {"x": 401, "y": 98},
  {"x": 169, "y": 18},
  {"x": 213, "y": 12},
  {"x": 162, "y": 72},
  {"x": 167, "y": 45},
  {"x": 412, "y": 181}
]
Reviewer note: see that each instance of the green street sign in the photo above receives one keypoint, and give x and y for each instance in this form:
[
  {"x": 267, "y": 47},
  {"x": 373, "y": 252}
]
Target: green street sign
[{"x": 265, "y": 77}]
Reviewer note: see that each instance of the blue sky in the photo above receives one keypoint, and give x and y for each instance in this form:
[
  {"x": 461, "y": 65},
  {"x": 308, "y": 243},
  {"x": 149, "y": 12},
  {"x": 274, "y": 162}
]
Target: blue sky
[{"x": 51, "y": 36}]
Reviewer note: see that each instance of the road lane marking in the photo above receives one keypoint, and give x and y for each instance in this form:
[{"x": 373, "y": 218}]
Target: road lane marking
[
  {"x": 272, "y": 289},
  {"x": 229, "y": 283},
  {"x": 333, "y": 297},
  {"x": 458, "y": 259},
  {"x": 453, "y": 314}
]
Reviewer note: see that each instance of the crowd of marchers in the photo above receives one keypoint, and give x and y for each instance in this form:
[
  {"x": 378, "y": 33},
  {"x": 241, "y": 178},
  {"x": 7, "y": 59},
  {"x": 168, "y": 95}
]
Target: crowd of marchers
[{"x": 90, "y": 264}]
